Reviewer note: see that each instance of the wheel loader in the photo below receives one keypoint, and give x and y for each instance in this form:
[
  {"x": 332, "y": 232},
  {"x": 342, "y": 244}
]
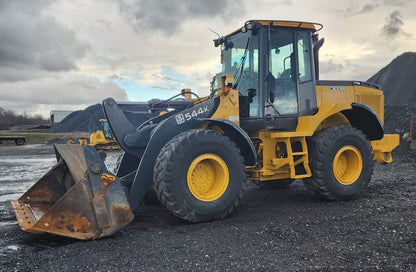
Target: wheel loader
[
  {"x": 101, "y": 138},
  {"x": 268, "y": 118}
]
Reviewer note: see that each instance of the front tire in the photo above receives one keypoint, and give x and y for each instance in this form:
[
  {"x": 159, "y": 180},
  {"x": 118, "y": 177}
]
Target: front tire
[
  {"x": 341, "y": 162},
  {"x": 199, "y": 175}
]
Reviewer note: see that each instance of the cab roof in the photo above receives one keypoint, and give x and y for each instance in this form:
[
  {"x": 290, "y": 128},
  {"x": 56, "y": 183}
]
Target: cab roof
[{"x": 295, "y": 24}]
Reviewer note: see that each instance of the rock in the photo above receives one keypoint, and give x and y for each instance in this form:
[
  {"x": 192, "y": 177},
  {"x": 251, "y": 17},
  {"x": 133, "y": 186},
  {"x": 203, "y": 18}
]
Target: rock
[{"x": 412, "y": 145}]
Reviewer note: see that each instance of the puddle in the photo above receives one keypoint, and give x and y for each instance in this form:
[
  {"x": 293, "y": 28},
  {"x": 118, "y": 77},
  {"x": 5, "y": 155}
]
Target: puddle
[
  {"x": 13, "y": 247},
  {"x": 9, "y": 197},
  {"x": 24, "y": 167},
  {"x": 26, "y": 160},
  {"x": 7, "y": 223},
  {"x": 7, "y": 250},
  {"x": 14, "y": 187}
]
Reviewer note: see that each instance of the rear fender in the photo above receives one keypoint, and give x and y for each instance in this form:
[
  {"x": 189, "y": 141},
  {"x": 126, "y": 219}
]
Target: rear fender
[{"x": 365, "y": 119}]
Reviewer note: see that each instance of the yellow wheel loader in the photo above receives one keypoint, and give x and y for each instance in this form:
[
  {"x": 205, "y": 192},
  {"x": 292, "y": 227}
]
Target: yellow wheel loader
[
  {"x": 268, "y": 118},
  {"x": 101, "y": 139}
]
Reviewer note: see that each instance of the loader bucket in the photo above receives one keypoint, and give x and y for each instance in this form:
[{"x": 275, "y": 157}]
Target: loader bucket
[{"x": 78, "y": 198}]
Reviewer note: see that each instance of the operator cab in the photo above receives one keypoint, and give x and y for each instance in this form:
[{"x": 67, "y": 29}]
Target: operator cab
[
  {"x": 273, "y": 67},
  {"x": 106, "y": 129}
]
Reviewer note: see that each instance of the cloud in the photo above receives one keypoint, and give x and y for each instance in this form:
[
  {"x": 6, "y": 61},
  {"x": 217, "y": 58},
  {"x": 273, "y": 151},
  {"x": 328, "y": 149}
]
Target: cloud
[
  {"x": 39, "y": 60},
  {"x": 169, "y": 88},
  {"x": 65, "y": 52},
  {"x": 61, "y": 89},
  {"x": 328, "y": 67},
  {"x": 33, "y": 43},
  {"x": 56, "y": 92},
  {"x": 393, "y": 25},
  {"x": 352, "y": 11},
  {"x": 372, "y": 6},
  {"x": 397, "y": 3},
  {"x": 168, "y": 16},
  {"x": 165, "y": 78}
]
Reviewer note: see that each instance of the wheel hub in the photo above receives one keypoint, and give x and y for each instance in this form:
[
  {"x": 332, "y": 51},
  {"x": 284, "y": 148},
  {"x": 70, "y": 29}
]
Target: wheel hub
[
  {"x": 208, "y": 177},
  {"x": 347, "y": 165}
]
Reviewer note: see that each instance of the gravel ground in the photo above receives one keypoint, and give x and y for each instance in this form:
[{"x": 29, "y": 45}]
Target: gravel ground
[{"x": 272, "y": 230}]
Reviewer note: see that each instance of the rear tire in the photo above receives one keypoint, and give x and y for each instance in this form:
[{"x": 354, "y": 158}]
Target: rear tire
[
  {"x": 199, "y": 175},
  {"x": 341, "y": 162}
]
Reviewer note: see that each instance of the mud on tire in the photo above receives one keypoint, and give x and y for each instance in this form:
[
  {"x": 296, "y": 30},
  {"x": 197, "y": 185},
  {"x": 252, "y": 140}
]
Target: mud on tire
[{"x": 171, "y": 175}]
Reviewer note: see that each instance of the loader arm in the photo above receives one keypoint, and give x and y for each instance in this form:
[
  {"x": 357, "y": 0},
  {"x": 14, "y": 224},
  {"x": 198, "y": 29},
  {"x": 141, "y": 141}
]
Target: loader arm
[
  {"x": 120, "y": 125},
  {"x": 150, "y": 147},
  {"x": 145, "y": 142}
]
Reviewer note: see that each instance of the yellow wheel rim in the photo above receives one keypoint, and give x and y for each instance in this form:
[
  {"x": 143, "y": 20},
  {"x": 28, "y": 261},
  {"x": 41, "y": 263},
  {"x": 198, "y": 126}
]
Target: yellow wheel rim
[
  {"x": 347, "y": 165},
  {"x": 208, "y": 177}
]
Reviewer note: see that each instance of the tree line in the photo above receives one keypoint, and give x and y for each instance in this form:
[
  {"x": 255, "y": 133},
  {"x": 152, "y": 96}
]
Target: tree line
[{"x": 9, "y": 118}]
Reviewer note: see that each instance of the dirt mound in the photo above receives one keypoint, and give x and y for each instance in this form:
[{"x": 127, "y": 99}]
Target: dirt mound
[{"x": 398, "y": 80}]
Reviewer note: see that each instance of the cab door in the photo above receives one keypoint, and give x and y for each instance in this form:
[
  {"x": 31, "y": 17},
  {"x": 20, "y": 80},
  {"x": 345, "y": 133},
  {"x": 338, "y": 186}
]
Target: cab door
[
  {"x": 306, "y": 73},
  {"x": 290, "y": 78}
]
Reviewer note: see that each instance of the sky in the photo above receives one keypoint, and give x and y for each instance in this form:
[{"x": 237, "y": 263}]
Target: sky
[{"x": 68, "y": 54}]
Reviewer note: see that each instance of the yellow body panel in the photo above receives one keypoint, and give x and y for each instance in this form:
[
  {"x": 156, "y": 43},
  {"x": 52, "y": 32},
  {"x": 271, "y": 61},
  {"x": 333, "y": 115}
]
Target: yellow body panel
[
  {"x": 284, "y": 154},
  {"x": 271, "y": 167},
  {"x": 372, "y": 98},
  {"x": 228, "y": 108},
  {"x": 327, "y": 95},
  {"x": 382, "y": 148}
]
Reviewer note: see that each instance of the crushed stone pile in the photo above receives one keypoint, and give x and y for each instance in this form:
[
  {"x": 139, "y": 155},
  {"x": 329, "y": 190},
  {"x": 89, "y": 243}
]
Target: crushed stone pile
[
  {"x": 80, "y": 121},
  {"x": 88, "y": 120},
  {"x": 397, "y": 118},
  {"x": 397, "y": 121},
  {"x": 398, "y": 80}
]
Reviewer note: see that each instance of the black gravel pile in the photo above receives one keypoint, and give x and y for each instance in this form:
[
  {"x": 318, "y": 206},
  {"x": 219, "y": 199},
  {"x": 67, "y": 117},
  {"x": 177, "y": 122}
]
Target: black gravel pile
[
  {"x": 398, "y": 80},
  {"x": 397, "y": 121},
  {"x": 397, "y": 118},
  {"x": 81, "y": 121},
  {"x": 88, "y": 120}
]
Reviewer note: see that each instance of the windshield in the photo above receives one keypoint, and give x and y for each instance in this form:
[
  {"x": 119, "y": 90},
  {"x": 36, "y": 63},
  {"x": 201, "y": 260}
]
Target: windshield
[
  {"x": 106, "y": 130},
  {"x": 240, "y": 59}
]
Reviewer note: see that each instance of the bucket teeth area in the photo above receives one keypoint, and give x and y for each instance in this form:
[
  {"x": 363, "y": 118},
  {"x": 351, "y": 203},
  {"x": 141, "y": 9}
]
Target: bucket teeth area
[
  {"x": 24, "y": 214},
  {"x": 72, "y": 199}
]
